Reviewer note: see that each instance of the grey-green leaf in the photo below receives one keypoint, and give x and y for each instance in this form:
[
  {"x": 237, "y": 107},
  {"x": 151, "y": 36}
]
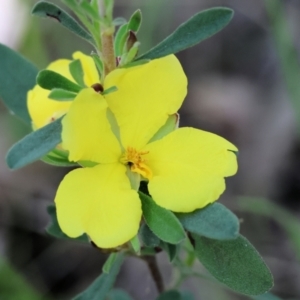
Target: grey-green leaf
[
  {"x": 198, "y": 28},
  {"x": 54, "y": 229},
  {"x": 170, "y": 295},
  {"x": 214, "y": 221},
  {"x": 48, "y": 10},
  {"x": 266, "y": 296},
  {"x": 49, "y": 80},
  {"x": 148, "y": 238},
  {"x": 236, "y": 263},
  {"x": 161, "y": 221},
  {"x": 170, "y": 249},
  {"x": 118, "y": 294},
  {"x": 34, "y": 145},
  {"x": 99, "y": 289},
  {"x": 17, "y": 77}
]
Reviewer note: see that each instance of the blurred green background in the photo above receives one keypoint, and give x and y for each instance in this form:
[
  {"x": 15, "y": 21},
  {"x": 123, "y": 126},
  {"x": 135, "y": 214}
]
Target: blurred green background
[{"x": 244, "y": 84}]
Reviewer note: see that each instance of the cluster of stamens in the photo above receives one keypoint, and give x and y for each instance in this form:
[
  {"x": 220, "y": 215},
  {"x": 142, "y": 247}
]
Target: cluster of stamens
[{"x": 136, "y": 162}]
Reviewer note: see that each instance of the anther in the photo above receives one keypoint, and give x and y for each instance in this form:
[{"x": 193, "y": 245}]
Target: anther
[{"x": 98, "y": 88}]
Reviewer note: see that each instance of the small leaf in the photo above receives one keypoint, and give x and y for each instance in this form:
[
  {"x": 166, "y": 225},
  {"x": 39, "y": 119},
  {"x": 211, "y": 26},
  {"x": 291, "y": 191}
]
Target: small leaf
[
  {"x": 54, "y": 229},
  {"x": 88, "y": 9},
  {"x": 236, "y": 263},
  {"x": 76, "y": 71},
  {"x": 198, "y": 28},
  {"x": 100, "y": 287},
  {"x": 119, "y": 21},
  {"x": 57, "y": 161},
  {"x": 17, "y": 77},
  {"x": 34, "y": 145},
  {"x": 49, "y": 80},
  {"x": 130, "y": 55},
  {"x": 99, "y": 64},
  {"x": 120, "y": 39},
  {"x": 109, "y": 90},
  {"x": 118, "y": 294},
  {"x": 135, "y": 244},
  {"x": 62, "y": 95},
  {"x": 172, "y": 250},
  {"x": 109, "y": 262},
  {"x": 48, "y": 10},
  {"x": 267, "y": 296},
  {"x": 170, "y": 295},
  {"x": 135, "y": 21},
  {"x": 135, "y": 63},
  {"x": 214, "y": 221},
  {"x": 170, "y": 125},
  {"x": 162, "y": 222},
  {"x": 148, "y": 238}
]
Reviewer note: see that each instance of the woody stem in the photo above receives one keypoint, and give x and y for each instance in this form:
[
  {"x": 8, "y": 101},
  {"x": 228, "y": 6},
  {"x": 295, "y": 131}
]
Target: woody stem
[{"x": 154, "y": 270}]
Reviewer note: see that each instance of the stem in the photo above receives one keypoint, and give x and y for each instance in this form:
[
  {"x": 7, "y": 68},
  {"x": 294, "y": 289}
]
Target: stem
[
  {"x": 107, "y": 37},
  {"x": 154, "y": 270},
  {"x": 108, "y": 51}
]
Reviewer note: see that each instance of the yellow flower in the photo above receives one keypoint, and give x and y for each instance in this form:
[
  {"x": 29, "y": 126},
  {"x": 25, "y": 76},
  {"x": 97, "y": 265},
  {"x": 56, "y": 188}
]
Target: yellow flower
[
  {"x": 185, "y": 169},
  {"x": 43, "y": 110}
]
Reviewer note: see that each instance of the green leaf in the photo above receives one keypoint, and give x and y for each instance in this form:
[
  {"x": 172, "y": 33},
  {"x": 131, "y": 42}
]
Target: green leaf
[
  {"x": 236, "y": 263},
  {"x": 54, "y": 229},
  {"x": 118, "y": 294},
  {"x": 148, "y": 238},
  {"x": 135, "y": 21},
  {"x": 89, "y": 10},
  {"x": 48, "y": 10},
  {"x": 170, "y": 295},
  {"x": 172, "y": 250},
  {"x": 101, "y": 286},
  {"x": 76, "y": 71},
  {"x": 162, "y": 222},
  {"x": 267, "y": 296},
  {"x": 62, "y": 95},
  {"x": 17, "y": 77},
  {"x": 34, "y": 145},
  {"x": 49, "y": 80},
  {"x": 198, "y": 28},
  {"x": 109, "y": 262},
  {"x": 214, "y": 221},
  {"x": 135, "y": 244},
  {"x": 99, "y": 64},
  {"x": 135, "y": 63},
  {"x": 130, "y": 55},
  {"x": 120, "y": 39},
  {"x": 110, "y": 90}
]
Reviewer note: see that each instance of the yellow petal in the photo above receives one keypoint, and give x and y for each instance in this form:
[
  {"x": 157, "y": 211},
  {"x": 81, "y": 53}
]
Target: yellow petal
[
  {"x": 86, "y": 133},
  {"x": 189, "y": 167},
  {"x": 100, "y": 202},
  {"x": 42, "y": 109},
  {"x": 146, "y": 96},
  {"x": 89, "y": 69}
]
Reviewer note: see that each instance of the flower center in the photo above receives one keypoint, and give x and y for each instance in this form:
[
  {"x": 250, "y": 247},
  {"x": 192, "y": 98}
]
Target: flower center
[{"x": 136, "y": 162}]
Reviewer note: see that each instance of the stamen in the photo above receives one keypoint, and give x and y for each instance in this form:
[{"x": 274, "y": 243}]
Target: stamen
[{"x": 136, "y": 162}]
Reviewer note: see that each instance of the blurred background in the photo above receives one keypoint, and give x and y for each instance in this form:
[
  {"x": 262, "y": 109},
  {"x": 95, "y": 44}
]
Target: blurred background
[{"x": 244, "y": 84}]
